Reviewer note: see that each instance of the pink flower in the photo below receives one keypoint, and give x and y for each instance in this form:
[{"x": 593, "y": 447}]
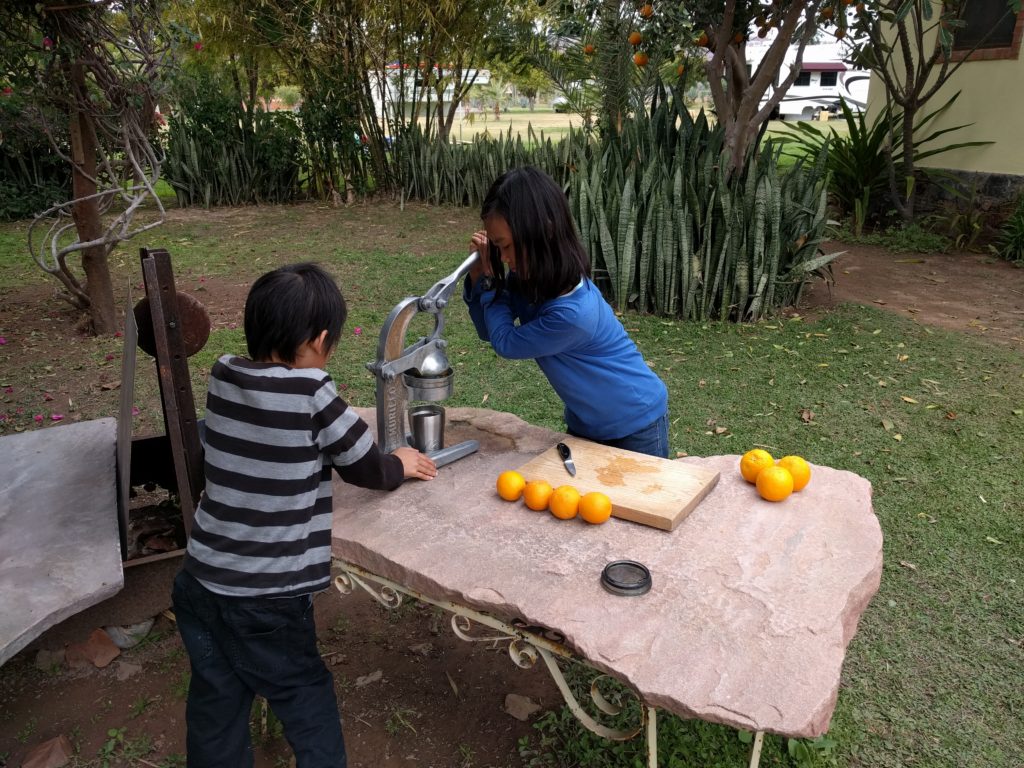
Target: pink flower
[
  {"x": 198, "y": 46},
  {"x": 38, "y": 418},
  {"x": 56, "y": 416},
  {"x": 8, "y": 390},
  {"x": 357, "y": 331},
  {"x": 118, "y": 334},
  {"x": 47, "y": 43},
  {"x": 8, "y": 91},
  {"x": 135, "y": 410},
  {"x": 3, "y": 417},
  {"x": 109, "y": 356},
  {"x": 3, "y": 340},
  {"x": 47, "y": 397}
]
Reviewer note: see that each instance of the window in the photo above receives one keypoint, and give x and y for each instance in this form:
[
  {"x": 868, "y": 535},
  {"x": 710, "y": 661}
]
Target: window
[
  {"x": 992, "y": 31},
  {"x": 804, "y": 78},
  {"x": 829, "y": 79}
]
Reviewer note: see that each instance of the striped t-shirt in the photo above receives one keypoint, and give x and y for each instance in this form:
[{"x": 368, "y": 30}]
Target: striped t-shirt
[{"x": 273, "y": 433}]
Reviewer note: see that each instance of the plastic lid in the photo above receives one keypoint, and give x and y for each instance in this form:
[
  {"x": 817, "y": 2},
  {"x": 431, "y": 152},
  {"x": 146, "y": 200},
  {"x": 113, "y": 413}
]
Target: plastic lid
[{"x": 626, "y": 577}]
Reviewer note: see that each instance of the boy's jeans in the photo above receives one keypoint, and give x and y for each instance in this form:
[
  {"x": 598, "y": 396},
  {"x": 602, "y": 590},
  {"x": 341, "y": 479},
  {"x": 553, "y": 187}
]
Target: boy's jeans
[
  {"x": 652, "y": 439},
  {"x": 240, "y": 647}
]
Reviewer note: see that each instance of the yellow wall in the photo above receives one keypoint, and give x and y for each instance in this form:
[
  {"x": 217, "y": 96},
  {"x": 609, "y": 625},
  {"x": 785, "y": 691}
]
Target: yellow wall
[{"x": 990, "y": 98}]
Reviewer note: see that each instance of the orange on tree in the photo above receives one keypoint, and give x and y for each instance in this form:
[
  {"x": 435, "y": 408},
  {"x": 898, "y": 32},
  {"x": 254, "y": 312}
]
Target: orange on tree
[
  {"x": 753, "y": 462},
  {"x": 640, "y": 59},
  {"x": 564, "y": 502},
  {"x": 680, "y": 70},
  {"x": 702, "y": 40},
  {"x": 536, "y": 494},
  {"x": 647, "y": 10},
  {"x": 588, "y": 49},
  {"x": 774, "y": 483},
  {"x": 635, "y": 38},
  {"x": 510, "y": 485},
  {"x": 595, "y": 507},
  {"x": 799, "y": 469}
]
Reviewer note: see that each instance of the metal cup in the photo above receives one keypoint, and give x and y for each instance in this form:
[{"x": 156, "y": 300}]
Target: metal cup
[{"x": 427, "y": 425}]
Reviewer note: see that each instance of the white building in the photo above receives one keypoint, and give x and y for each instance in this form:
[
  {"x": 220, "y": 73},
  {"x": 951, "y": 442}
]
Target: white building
[{"x": 824, "y": 78}]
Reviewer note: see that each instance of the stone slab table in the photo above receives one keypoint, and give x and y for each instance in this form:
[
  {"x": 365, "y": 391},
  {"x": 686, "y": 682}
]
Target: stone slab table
[
  {"x": 60, "y": 551},
  {"x": 752, "y": 606}
]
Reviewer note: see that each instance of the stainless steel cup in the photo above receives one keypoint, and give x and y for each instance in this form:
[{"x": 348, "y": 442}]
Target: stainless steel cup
[{"x": 427, "y": 425}]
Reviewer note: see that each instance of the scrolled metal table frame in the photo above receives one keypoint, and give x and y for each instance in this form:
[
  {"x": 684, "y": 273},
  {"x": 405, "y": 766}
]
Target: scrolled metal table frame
[{"x": 524, "y": 648}]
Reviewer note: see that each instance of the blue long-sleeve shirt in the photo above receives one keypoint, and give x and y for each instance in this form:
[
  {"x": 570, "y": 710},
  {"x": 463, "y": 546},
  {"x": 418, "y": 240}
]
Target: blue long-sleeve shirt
[{"x": 608, "y": 389}]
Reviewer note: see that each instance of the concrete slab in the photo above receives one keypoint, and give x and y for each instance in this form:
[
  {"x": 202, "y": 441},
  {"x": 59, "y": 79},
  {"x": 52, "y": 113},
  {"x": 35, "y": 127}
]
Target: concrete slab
[
  {"x": 752, "y": 607},
  {"x": 59, "y": 545}
]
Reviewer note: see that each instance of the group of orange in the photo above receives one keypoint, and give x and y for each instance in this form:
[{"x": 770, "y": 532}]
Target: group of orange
[
  {"x": 775, "y": 481},
  {"x": 564, "y": 502}
]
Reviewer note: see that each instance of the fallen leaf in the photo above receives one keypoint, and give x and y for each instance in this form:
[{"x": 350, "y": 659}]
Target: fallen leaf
[
  {"x": 451, "y": 682},
  {"x": 806, "y": 415},
  {"x": 486, "y": 395},
  {"x": 887, "y": 425},
  {"x": 992, "y": 540},
  {"x": 902, "y": 358},
  {"x": 905, "y": 564},
  {"x": 897, "y": 437},
  {"x": 906, "y": 399},
  {"x": 879, "y": 301},
  {"x": 950, "y": 415}
]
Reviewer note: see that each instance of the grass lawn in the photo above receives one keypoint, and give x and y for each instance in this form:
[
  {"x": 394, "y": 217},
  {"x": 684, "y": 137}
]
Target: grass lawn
[{"x": 934, "y": 420}]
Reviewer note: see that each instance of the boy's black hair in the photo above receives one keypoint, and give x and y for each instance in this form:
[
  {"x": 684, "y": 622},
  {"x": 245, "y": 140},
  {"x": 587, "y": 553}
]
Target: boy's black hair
[
  {"x": 550, "y": 258},
  {"x": 289, "y": 306}
]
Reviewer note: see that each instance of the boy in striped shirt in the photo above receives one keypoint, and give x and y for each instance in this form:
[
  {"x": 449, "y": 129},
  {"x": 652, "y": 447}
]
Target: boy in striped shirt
[{"x": 260, "y": 547}]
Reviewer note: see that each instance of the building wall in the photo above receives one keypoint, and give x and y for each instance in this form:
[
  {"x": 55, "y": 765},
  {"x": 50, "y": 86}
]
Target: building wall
[{"x": 989, "y": 98}]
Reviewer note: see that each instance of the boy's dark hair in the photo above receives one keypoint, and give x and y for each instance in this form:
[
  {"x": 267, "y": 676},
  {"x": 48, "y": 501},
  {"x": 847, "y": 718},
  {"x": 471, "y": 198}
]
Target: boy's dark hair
[
  {"x": 547, "y": 247},
  {"x": 289, "y": 306}
]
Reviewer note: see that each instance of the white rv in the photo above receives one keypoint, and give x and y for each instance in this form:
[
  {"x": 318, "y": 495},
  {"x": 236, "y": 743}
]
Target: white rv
[{"x": 824, "y": 78}]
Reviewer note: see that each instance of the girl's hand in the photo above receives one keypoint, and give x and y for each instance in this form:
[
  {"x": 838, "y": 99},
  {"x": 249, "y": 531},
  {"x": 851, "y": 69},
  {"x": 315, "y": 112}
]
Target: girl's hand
[
  {"x": 482, "y": 266},
  {"x": 416, "y": 464}
]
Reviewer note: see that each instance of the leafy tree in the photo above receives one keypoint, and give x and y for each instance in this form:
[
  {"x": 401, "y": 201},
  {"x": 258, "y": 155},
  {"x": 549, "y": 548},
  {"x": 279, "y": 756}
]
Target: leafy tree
[
  {"x": 909, "y": 45},
  {"x": 90, "y": 74}
]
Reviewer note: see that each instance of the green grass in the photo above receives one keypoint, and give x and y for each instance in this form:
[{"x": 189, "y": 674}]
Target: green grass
[{"x": 933, "y": 419}]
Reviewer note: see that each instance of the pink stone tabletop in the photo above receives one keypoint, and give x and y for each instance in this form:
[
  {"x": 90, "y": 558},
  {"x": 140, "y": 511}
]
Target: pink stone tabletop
[{"x": 752, "y": 605}]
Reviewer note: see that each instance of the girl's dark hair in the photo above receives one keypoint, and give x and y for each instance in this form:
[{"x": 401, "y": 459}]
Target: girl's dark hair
[
  {"x": 289, "y": 306},
  {"x": 550, "y": 258}
]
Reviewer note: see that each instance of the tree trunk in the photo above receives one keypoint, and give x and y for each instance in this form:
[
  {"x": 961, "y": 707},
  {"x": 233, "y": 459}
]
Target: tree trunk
[{"x": 86, "y": 213}]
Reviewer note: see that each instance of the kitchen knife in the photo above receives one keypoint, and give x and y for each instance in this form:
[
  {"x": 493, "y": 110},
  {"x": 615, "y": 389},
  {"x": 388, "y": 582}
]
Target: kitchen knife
[{"x": 566, "y": 454}]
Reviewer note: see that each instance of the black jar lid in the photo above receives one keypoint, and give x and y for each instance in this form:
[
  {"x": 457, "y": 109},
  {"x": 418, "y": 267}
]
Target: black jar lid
[{"x": 626, "y": 577}]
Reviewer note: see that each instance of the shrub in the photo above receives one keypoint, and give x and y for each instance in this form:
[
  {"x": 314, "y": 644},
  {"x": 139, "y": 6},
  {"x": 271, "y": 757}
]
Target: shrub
[{"x": 1011, "y": 239}]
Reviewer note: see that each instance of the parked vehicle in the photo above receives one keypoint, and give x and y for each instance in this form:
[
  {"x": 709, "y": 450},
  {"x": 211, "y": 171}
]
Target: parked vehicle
[{"x": 824, "y": 79}]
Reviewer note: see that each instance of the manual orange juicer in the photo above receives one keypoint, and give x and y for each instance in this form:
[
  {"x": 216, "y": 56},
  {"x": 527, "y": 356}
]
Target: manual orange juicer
[{"x": 420, "y": 372}]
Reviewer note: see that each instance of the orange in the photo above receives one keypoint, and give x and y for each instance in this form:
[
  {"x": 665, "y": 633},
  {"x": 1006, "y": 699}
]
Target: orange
[
  {"x": 510, "y": 485},
  {"x": 753, "y": 462},
  {"x": 588, "y": 49},
  {"x": 564, "y": 502},
  {"x": 799, "y": 469},
  {"x": 635, "y": 38},
  {"x": 774, "y": 483},
  {"x": 536, "y": 494},
  {"x": 595, "y": 507},
  {"x": 702, "y": 40},
  {"x": 647, "y": 10},
  {"x": 640, "y": 59}
]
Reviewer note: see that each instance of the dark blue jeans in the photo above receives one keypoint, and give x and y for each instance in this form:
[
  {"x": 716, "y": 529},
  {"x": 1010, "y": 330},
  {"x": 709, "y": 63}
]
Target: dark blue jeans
[
  {"x": 652, "y": 439},
  {"x": 240, "y": 647}
]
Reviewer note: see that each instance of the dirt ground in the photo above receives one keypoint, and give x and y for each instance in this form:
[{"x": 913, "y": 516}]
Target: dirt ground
[{"x": 411, "y": 692}]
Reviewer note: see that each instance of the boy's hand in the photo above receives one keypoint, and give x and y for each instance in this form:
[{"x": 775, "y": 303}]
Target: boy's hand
[{"x": 416, "y": 464}]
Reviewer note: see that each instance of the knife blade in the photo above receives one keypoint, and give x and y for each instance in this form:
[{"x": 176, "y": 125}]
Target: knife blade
[{"x": 566, "y": 454}]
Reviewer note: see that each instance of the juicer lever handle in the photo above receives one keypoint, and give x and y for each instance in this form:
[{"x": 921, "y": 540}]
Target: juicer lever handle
[{"x": 441, "y": 291}]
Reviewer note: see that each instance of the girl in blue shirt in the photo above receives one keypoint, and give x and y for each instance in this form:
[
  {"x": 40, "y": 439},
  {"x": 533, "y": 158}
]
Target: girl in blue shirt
[{"x": 611, "y": 396}]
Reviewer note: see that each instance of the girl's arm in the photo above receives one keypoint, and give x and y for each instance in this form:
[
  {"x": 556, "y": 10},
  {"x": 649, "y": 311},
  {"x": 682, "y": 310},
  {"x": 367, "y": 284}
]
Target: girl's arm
[{"x": 552, "y": 331}]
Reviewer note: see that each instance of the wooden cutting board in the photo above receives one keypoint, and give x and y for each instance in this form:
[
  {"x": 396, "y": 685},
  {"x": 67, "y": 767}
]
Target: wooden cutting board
[{"x": 644, "y": 489}]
